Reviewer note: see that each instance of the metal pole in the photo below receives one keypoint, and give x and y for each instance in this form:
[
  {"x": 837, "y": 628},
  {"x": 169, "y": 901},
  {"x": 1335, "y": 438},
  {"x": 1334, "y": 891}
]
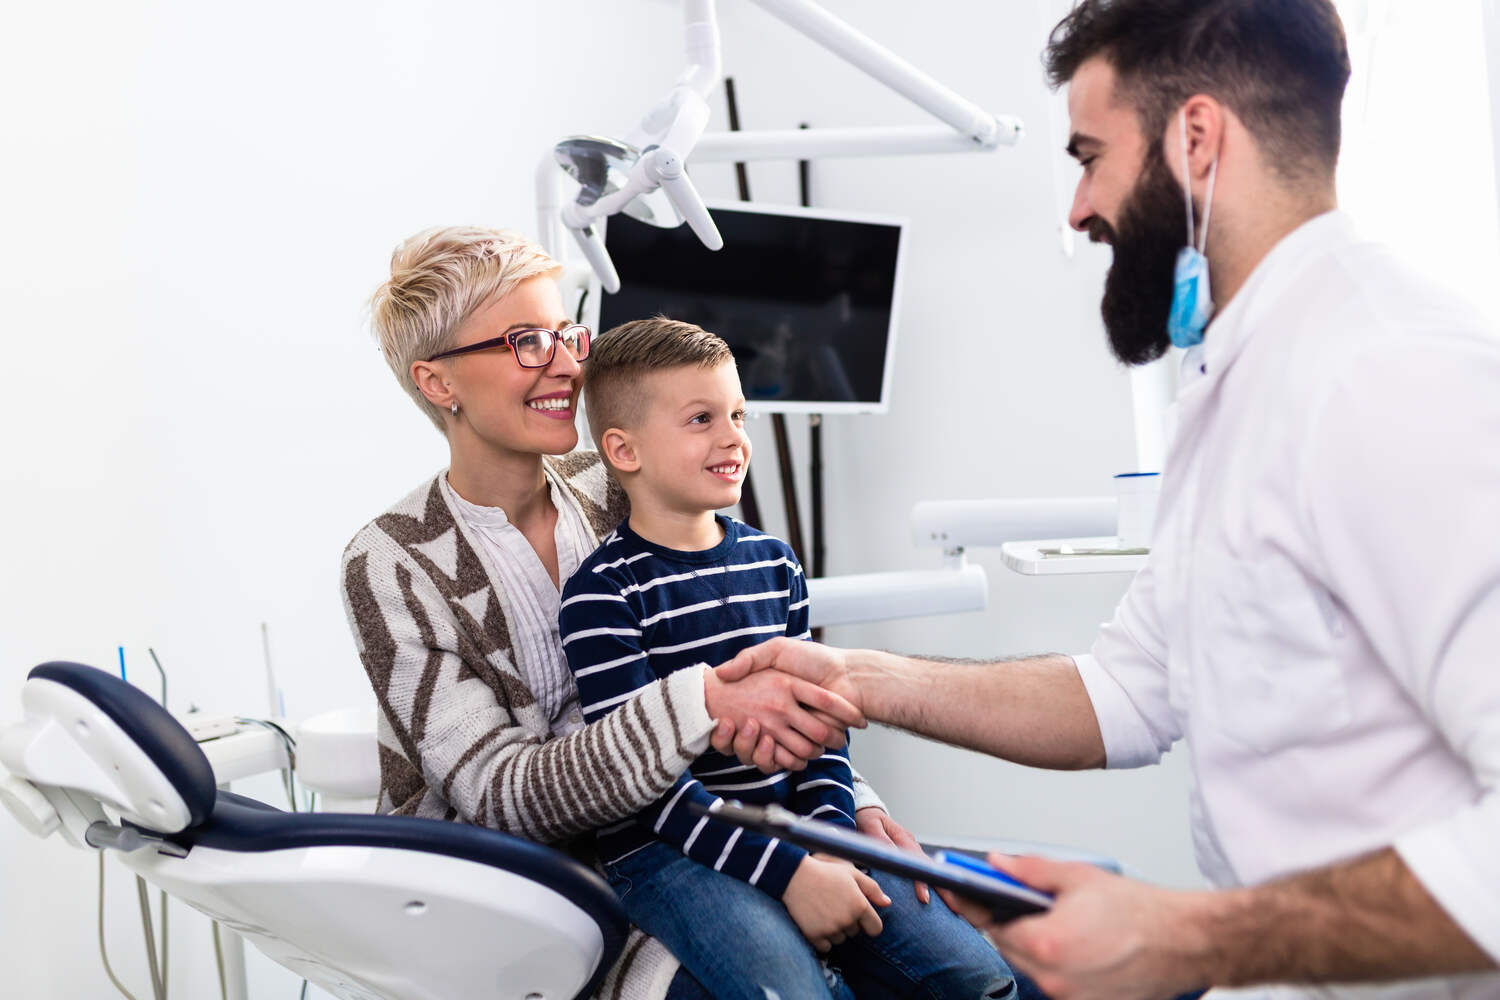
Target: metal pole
[
  {"x": 788, "y": 487},
  {"x": 748, "y": 505},
  {"x": 814, "y": 426}
]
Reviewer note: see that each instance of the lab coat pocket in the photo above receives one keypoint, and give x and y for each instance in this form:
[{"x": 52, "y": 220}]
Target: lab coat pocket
[{"x": 1274, "y": 678}]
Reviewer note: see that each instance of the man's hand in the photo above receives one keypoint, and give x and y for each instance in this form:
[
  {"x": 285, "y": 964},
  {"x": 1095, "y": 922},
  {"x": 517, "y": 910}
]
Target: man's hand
[
  {"x": 1105, "y": 936},
  {"x": 830, "y": 901},
  {"x": 825, "y": 666},
  {"x": 874, "y": 821},
  {"x": 794, "y": 717}
]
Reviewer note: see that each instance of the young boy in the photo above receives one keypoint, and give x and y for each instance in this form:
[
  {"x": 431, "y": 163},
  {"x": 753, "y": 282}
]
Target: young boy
[{"x": 675, "y": 586}]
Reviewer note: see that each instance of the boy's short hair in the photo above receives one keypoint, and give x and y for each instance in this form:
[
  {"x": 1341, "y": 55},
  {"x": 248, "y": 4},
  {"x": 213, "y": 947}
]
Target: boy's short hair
[
  {"x": 613, "y": 394},
  {"x": 439, "y": 278}
]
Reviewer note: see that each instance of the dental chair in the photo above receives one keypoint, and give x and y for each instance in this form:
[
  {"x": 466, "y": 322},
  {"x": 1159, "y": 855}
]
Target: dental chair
[{"x": 366, "y": 907}]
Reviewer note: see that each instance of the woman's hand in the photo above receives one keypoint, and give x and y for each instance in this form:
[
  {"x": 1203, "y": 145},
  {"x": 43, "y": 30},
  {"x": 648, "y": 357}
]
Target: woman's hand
[
  {"x": 830, "y": 901},
  {"x": 791, "y": 718},
  {"x": 874, "y": 821}
]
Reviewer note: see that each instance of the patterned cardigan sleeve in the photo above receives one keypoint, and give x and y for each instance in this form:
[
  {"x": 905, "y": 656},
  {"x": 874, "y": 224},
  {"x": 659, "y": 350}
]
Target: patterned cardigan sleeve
[{"x": 459, "y": 727}]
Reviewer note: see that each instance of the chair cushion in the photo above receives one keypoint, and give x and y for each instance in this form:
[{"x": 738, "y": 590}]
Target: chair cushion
[
  {"x": 161, "y": 737},
  {"x": 248, "y": 825}
]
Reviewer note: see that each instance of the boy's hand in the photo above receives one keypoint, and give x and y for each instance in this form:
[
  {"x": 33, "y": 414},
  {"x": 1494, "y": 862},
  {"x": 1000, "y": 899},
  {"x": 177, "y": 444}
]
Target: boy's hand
[
  {"x": 873, "y": 821},
  {"x": 830, "y": 901}
]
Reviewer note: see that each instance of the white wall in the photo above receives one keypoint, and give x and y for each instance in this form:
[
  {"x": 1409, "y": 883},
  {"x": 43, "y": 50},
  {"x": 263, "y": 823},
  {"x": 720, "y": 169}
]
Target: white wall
[{"x": 196, "y": 201}]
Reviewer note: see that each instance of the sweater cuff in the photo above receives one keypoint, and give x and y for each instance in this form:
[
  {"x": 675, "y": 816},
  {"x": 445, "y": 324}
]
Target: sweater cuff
[
  {"x": 864, "y": 793},
  {"x": 687, "y": 708},
  {"x": 780, "y": 867}
]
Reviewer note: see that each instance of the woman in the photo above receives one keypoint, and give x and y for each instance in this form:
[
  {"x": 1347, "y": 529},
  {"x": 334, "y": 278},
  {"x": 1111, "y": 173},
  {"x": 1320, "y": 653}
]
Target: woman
[{"x": 453, "y": 593}]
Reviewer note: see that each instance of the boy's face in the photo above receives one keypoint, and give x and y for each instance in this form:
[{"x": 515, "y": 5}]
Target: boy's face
[{"x": 691, "y": 444}]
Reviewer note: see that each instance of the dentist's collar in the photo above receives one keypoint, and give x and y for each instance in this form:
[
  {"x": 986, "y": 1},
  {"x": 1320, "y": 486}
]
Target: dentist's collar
[{"x": 1234, "y": 324}]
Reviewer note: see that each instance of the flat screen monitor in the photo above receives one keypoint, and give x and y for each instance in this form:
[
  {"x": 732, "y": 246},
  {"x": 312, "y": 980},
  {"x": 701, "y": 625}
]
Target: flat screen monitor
[{"x": 806, "y": 299}]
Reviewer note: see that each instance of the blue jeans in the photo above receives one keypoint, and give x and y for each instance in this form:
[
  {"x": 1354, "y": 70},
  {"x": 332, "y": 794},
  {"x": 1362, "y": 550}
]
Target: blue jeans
[{"x": 741, "y": 944}]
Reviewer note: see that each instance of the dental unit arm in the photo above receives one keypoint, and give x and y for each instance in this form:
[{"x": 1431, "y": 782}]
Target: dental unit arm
[{"x": 645, "y": 175}]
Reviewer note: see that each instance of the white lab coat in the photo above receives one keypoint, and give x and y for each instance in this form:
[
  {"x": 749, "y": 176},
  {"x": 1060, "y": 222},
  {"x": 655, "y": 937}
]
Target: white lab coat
[{"x": 1320, "y": 614}]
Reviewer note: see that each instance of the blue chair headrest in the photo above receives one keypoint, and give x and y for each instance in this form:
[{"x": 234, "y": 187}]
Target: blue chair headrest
[{"x": 150, "y": 726}]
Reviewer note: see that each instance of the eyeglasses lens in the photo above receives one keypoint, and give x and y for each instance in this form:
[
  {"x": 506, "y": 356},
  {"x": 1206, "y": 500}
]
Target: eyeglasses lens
[
  {"x": 536, "y": 348},
  {"x": 576, "y": 339}
]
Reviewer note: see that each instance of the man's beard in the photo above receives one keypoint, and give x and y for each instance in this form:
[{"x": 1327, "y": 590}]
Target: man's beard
[{"x": 1138, "y": 288}]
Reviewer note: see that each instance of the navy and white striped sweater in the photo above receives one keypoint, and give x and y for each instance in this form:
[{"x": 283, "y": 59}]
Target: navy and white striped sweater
[{"x": 636, "y": 612}]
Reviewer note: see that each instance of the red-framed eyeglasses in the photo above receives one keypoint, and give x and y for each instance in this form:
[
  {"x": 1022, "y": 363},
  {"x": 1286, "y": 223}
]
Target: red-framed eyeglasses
[{"x": 534, "y": 347}]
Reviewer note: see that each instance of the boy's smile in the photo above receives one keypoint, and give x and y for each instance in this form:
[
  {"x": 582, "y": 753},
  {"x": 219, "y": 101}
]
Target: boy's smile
[{"x": 731, "y": 472}]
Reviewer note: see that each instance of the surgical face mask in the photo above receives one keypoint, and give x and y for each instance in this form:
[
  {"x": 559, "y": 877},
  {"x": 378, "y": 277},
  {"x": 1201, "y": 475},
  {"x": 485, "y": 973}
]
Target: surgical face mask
[{"x": 1192, "y": 297}]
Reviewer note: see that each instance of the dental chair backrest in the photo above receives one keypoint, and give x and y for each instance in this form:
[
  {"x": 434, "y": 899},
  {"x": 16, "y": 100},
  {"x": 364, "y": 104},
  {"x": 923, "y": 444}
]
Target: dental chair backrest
[{"x": 366, "y": 907}]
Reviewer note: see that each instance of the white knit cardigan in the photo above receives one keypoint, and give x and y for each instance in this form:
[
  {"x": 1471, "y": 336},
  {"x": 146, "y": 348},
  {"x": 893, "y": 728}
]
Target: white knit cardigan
[{"x": 461, "y": 734}]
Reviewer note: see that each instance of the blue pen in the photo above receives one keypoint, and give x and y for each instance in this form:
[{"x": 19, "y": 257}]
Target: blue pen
[
  {"x": 122, "y": 661},
  {"x": 978, "y": 867}
]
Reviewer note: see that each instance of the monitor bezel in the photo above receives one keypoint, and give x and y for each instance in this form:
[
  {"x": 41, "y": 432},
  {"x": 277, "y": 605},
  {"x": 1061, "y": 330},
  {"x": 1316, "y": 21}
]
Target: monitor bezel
[{"x": 829, "y": 407}]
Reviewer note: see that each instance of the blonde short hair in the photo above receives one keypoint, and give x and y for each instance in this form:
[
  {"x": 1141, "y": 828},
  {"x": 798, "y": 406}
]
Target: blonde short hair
[
  {"x": 439, "y": 278},
  {"x": 612, "y": 387}
]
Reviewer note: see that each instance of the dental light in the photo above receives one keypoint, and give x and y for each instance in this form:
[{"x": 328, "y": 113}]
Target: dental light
[{"x": 645, "y": 175}]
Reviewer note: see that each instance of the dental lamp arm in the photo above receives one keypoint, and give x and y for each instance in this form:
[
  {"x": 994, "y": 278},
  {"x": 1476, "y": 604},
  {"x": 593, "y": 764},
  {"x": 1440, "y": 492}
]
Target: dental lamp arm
[
  {"x": 662, "y": 166},
  {"x": 705, "y": 67},
  {"x": 670, "y": 133},
  {"x": 592, "y": 246},
  {"x": 874, "y": 59}
]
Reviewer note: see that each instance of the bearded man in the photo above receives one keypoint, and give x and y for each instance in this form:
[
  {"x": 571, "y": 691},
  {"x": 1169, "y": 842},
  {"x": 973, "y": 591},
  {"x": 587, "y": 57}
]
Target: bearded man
[{"x": 1318, "y": 622}]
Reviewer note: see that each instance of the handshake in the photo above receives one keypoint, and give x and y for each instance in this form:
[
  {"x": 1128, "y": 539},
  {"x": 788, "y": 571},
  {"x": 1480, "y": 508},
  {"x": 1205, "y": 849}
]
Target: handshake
[{"x": 776, "y": 705}]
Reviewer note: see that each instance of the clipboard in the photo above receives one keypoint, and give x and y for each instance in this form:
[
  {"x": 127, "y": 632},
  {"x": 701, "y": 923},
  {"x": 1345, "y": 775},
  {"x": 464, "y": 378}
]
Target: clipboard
[{"x": 969, "y": 877}]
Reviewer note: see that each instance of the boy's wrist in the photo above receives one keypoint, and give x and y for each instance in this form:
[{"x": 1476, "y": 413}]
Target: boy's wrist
[{"x": 781, "y": 868}]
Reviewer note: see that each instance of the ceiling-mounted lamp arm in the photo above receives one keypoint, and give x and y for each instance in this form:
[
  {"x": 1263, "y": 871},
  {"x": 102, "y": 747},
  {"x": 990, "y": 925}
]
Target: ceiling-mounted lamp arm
[
  {"x": 705, "y": 61},
  {"x": 705, "y": 68},
  {"x": 874, "y": 59},
  {"x": 651, "y": 163},
  {"x": 589, "y": 241},
  {"x": 825, "y": 143}
]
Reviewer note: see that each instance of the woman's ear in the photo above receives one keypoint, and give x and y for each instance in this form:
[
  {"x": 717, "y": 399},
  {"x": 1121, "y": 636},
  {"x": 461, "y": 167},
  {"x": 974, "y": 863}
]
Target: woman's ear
[
  {"x": 430, "y": 383},
  {"x": 619, "y": 450}
]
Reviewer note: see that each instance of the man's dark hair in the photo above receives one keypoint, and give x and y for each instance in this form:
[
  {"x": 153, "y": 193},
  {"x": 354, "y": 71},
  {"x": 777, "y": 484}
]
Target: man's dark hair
[{"x": 1280, "y": 65}]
